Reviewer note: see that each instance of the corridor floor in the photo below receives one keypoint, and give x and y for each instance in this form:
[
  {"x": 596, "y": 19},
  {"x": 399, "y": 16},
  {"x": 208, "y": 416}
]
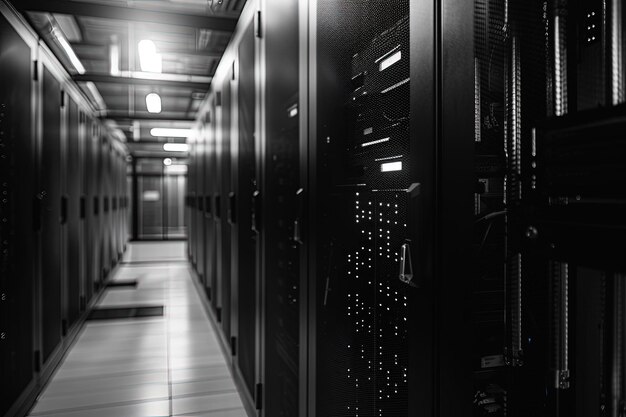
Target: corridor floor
[{"x": 169, "y": 365}]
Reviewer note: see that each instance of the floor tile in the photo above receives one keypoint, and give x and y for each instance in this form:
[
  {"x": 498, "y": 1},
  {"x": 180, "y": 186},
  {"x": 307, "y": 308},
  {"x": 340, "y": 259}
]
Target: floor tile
[
  {"x": 150, "y": 366},
  {"x": 206, "y": 403}
]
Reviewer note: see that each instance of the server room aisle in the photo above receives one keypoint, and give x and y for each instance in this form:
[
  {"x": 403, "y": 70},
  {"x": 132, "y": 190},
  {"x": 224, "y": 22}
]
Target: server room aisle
[{"x": 156, "y": 365}]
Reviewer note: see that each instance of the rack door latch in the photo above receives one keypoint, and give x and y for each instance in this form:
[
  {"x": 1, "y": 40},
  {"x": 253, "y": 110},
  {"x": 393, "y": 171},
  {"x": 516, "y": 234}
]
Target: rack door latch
[{"x": 406, "y": 265}]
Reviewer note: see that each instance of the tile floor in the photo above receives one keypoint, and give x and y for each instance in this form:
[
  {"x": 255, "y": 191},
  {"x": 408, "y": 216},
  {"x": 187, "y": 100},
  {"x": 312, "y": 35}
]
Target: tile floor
[{"x": 146, "y": 367}]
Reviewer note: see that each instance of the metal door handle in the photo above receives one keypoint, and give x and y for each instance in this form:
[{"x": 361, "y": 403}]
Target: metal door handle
[
  {"x": 256, "y": 211},
  {"x": 406, "y": 266},
  {"x": 297, "y": 235},
  {"x": 232, "y": 215},
  {"x": 297, "y": 227}
]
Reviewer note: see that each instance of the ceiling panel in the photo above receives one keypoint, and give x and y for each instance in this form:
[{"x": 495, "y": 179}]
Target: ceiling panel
[{"x": 185, "y": 50}]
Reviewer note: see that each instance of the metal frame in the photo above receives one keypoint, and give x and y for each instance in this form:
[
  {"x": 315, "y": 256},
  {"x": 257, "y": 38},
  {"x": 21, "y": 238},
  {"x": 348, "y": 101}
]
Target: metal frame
[{"x": 128, "y": 13}]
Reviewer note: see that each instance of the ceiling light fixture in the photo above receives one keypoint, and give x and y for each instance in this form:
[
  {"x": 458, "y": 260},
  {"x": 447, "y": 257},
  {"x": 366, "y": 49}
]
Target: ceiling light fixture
[
  {"x": 68, "y": 51},
  {"x": 170, "y": 133},
  {"x": 100, "y": 104},
  {"x": 175, "y": 147},
  {"x": 153, "y": 103},
  {"x": 114, "y": 59},
  {"x": 149, "y": 60},
  {"x": 167, "y": 162}
]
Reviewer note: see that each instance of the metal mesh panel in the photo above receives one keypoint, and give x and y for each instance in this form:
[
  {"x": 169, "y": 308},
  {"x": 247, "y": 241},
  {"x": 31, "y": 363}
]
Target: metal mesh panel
[
  {"x": 51, "y": 230},
  {"x": 221, "y": 207},
  {"x": 363, "y": 121},
  {"x": 282, "y": 253},
  {"x": 16, "y": 217},
  {"x": 246, "y": 168}
]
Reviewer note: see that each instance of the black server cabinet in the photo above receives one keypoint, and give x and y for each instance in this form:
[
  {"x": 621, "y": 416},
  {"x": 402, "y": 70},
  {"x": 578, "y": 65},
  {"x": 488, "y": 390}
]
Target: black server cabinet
[
  {"x": 221, "y": 300},
  {"x": 365, "y": 193},
  {"x": 91, "y": 207},
  {"x": 201, "y": 186},
  {"x": 18, "y": 211},
  {"x": 283, "y": 205},
  {"x": 107, "y": 230},
  {"x": 243, "y": 252},
  {"x": 191, "y": 198},
  {"x": 549, "y": 327},
  {"x": 51, "y": 214},
  {"x": 83, "y": 240},
  {"x": 97, "y": 207},
  {"x": 199, "y": 227},
  {"x": 210, "y": 178},
  {"x": 191, "y": 185},
  {"x": 71, "y": 207}
]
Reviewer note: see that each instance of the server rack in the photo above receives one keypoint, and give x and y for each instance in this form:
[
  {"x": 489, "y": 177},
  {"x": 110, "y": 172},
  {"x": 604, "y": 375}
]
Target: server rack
[
  {"x": 283, "y": 204},
  {"x": 361, "y": 155},
  {"x": 243, "y": 250},
  {"x": 201, "y": 189},
  {"x": 17, "y": 209},
  {"x": 222, "y": 294},
  {"x": 72, "y": 209},
  {"x": 43, "y": 291},
  {"x": 210, "y": 178},
  {"x": 485, "y": 317},
  {"x": 540, "y": 67},
  {"x": 51, "y": 213}
]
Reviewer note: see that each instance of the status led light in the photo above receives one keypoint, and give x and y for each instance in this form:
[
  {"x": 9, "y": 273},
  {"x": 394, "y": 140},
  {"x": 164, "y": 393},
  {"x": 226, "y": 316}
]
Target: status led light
[
  {"x": 391, "y": 166},
  {"x": 387, "y": 62}
]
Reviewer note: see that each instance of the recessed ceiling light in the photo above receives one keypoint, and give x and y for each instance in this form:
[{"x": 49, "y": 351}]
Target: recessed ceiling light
[
  {"x": 149, "y": 60},
  {"x": 153, "y": 103},
  {"x": 167, "y": 162}
]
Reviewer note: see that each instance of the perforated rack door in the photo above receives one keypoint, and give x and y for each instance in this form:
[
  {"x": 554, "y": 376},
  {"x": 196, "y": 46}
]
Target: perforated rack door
[
  {"x": 282, "y": 206},
  {"x": 51, "y": 228},
  {"x": 244, "y": 251},
  {"x": 364, "y": 164},
  {"x": 17, "y": 237},
  {"x": 223, "y": 233},
  {"x": 73, "y": 215},
  {"x": 210, "y": 178}
]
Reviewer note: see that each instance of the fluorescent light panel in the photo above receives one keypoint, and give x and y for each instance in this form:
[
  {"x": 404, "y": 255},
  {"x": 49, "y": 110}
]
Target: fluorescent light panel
[
  {"x": 96, "y": 95},
  {"x": 114, "y": 58},
  {"x": 153, "y": 103},
  {"x": 391, "y": 166},
  {"x": 69, "y": 51},
  {"x": 175, "y": 147},
  {"x": 170, "y": 133}
]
